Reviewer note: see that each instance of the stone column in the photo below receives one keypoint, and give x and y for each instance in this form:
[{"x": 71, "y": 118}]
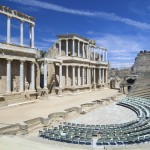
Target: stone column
[
  {"x": 21, "y": 75},
  {"x": 60, "y": 75},
  {"x": 78, "y": 48},
  {"x": 59, "y": 47},
  {"x": 8, "y": 29},
  {"x": 73, "y": 47},
  {"x": 90, "y": 81},
  {"x": 45, "y": 74},
  {"x": 8, "y": 75},
  {"x": 106, "y": 75},
  {"x": 87, "y": 50},
  {"x": 82, "y": 75},
  {"x": 87, "y": 75},
  {"x": 99, "y": 73},
  {"x": 79, "y": 83},
  {"x": 67, "y": 47},
  {"x": 73, "y": 75},
  {"x": 31, "y": 35},
  {"x": 94, "y": 74},
  {"x": 83, "y": 52},
  {"x": 21, "y": 33},
  {"x": 32, "y": 85},
  {"x": 103, "y": 75},
  {"x": 67, "y": 75}
]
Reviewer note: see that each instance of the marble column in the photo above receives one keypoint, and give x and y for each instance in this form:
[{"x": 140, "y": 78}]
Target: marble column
[
  {"x": 94, "y": 75},
  {"x": 87, "y": 51},
  {"x": 73, "y": 75},
  {"x": 79, "y": 82},
  {"x": 106, "y": 76},
  {"x": 8, "y": 29},
  {"x": 90, "y": 81},
  {"x": 59, "y": 47},
  {"x": 83, "y": 51},
  {"x": 21, "y": 33},
  {"x": 21, "y": 75},
  {"x": 32, "y": 87},
  {"x": 73, "y": 47},
  {"x": 45, "y": 74},
  {"x": 60, "y": 75},
  {"x": 67, "y": 75},
  {"x": 87, "y": 75},
  {"x": 99, "y": 73},
  {"x": 78, "y": 48},
  {"x": 67, "y": 47},
  {"x": 82, "y": 75},
  {"x": 103, "y": 76},
  {"x": 8, "y": 75},
  {"x": 31, "y": 35}
]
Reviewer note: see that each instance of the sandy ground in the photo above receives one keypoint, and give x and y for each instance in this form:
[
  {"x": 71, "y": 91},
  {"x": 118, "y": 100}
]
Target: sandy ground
[
  {"x": 104, "y": 115},
  {"x": 42, "y": 108}
]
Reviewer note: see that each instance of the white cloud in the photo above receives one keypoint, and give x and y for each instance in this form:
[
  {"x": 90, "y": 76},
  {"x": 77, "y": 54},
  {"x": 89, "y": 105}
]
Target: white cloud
[
  {"x": 122, "y": 49},
  {"x": 104, "y": 15}
]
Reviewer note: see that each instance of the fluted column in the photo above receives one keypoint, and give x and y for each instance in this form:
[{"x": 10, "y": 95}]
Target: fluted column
[
  {"x": 21, "y": 75},
  {"x": 99, "y": 73},
  {"x": 8, "y": 75},
  {"x": 87, "y": 74},
  {"x": 83, "y": 52},
  {"x": 79, "y": 83},
  {"x": 106, "y": 76},
  {"x": 67, "y": 47},
  {"x": 82, "y": 75},
  {"x": 59, "y": 47},
  {"x": 21, "y": 33},
  {"x": 78, "y": 48},
  {"x": 73, "y": 47},
  {"x": 67, "y": 75},
  {"x": 73, "y": 75},
  {"x": 31, "y": 35},
  {"x": 94, "y": 75},
  {"x": 103, "y": 76},
  {"x": 87, "y": 51},
  {"x": 45, "y": 75},
  {"x": 60, "y": 75},
  {"x": 32, "y": 76},
  {"x": 8, "y": 29}
]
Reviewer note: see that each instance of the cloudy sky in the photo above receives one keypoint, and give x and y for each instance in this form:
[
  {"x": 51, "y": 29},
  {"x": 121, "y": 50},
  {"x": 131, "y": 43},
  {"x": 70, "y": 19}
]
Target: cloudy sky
[{"x": 121, "y": 26}]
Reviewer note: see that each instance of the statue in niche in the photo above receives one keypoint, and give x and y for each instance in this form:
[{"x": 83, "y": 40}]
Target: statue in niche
[{"x": 26, "y": 85}]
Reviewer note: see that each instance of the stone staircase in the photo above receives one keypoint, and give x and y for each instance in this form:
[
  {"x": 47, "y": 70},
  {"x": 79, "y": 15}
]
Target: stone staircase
[{"x": 141, "y": 88}]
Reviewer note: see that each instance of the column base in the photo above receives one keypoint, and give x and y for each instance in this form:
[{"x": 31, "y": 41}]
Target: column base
[
  {"x": 94, "y": 86},
  {"x": 59, "y": 92}
]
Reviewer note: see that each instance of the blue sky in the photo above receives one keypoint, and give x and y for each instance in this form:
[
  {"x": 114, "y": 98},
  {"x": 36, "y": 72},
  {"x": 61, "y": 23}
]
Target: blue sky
[{"x": 121, "y": 26}]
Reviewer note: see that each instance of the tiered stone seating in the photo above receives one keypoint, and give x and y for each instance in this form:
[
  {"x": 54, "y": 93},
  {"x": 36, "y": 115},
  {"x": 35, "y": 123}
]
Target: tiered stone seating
[{"x": 136, "y": 131}]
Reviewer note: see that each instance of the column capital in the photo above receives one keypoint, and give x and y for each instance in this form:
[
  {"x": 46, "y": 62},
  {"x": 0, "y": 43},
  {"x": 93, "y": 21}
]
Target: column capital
[
  {"x": 9, "y": 16},
  {"x": 22, "y": 61},
  {"x": 9, "y": 60}
]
